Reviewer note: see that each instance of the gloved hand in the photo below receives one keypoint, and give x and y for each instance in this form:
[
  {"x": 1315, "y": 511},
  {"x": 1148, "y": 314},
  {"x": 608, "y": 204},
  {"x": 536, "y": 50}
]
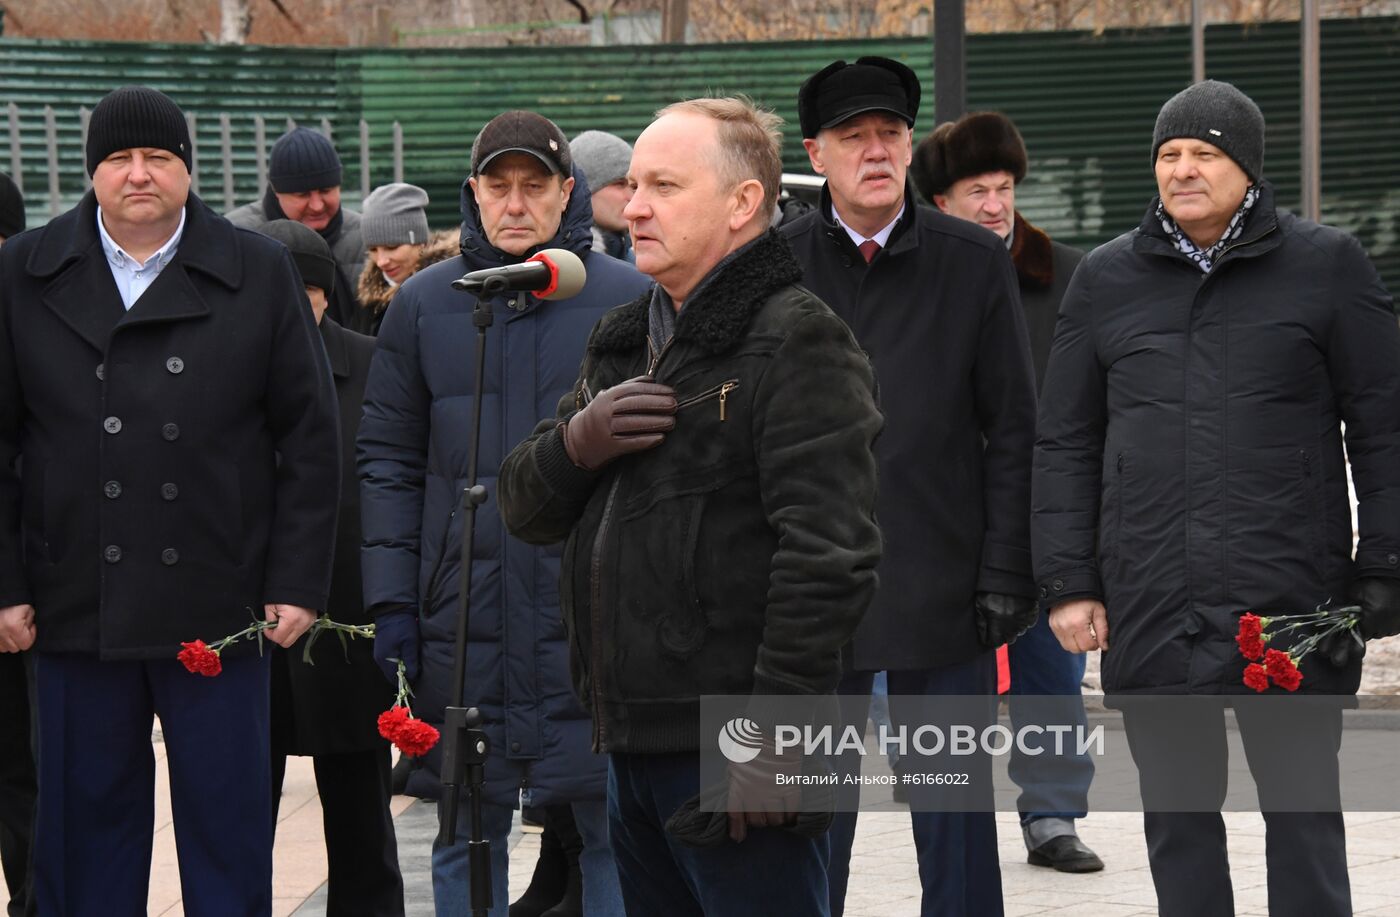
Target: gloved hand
[
  {"x": 1379, "y": 599},
  {"x": 629, "y": 417},
  {"x": 758, "y": 798},
  {"x": 395, "y": 638},
  {"x": 1003, "y": 618}
]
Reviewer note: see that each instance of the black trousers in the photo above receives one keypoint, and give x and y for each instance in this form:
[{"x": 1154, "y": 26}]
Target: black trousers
[
  {"x": 18, "y": 786},
  {"x": 1182, "y": 757},
  {"x": 361, "y": 850}
]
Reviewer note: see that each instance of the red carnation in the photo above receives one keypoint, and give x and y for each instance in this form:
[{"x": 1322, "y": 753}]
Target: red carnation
[
  {"x": 1282, "y": 670},
  {"x": 391, "y": 722},
  {"x": 416, "y": 738},
  {"x": 1250, "y": 638},
  {"x": 200, "y": 659},
  {"x": 1255, "y": 677}
]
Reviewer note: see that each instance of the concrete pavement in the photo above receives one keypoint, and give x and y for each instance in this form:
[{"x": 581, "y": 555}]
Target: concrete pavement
[{"x": 884, "y": 874}]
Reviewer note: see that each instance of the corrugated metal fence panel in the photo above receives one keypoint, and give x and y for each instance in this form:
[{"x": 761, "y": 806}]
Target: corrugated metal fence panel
[
  {"x": 443, "y": 97},
  {"x": 205, "y": 80},
  {"x": 1086, "y": 105}
]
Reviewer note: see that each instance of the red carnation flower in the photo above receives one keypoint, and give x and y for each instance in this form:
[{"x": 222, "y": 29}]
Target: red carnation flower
[
  {"x": 1282, "y": 670},
  {"x": 391, "y": 722},
  {"x": 416, "y": 738},
  {"x": 199, "y": 659},
  {"x": 1251, "y": 636},
  {"x": 1255, "y": 677}
]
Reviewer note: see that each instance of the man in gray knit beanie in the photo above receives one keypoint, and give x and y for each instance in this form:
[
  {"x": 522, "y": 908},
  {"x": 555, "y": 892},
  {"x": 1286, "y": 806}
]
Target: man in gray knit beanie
[
  {"x": 603, "y": 159},
  {"x": 1214, "y": 373}
]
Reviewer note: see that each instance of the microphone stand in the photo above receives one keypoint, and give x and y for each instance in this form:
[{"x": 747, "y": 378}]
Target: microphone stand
[{"x": 464, "y": 743}]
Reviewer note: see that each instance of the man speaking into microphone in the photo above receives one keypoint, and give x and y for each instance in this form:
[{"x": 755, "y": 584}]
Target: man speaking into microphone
[{"x": 523, "y": 197}]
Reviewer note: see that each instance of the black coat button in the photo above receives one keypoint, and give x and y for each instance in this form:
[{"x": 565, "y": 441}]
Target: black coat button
[
  {"x": 170, "y": 432},
  {"x": 170, "y": 557},
  {"x": 101, "y": 372},
  {"x": 1058, "y": 585},
  {"x": 515, "y": 746},
  {"x": 1044, "y": 592},
  {"x": 175, "y": 365},
  {"x": 112, "y": 489},
  {"x": 112, "y": 554},
  {"x": 169, "y": 491},
  {"x": 112, "y": 424},
  {"x": 1392, "y": 559}
]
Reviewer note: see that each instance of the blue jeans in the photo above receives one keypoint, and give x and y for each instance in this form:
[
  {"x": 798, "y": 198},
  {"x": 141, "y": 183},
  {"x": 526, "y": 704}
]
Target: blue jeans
[
  {"x": 880, "y": 713},
  {"x": 959, "y": 869},
  {"x": 451, "y": 876},
  {"x": 773, "y": 872},
  {"x": 1051, "y": 786}
]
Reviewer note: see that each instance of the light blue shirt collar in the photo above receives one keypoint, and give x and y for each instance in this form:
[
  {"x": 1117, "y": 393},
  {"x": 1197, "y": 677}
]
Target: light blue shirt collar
[{"x": 134, "y": 277}]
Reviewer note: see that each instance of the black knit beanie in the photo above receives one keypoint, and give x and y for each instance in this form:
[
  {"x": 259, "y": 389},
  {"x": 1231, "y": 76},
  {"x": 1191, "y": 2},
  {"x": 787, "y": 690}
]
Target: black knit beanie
[
  {"x": 11, "y": 208},
  {"x": 310, "y": 252},
  {"x": 303, "y": 160},
  {"x": 136, "y": 116},
  {"x": 1219, "y": 114}
]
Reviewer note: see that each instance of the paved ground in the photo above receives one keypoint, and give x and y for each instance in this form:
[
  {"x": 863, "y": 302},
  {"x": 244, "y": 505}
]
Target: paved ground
[{"x": 884, "y": 879}]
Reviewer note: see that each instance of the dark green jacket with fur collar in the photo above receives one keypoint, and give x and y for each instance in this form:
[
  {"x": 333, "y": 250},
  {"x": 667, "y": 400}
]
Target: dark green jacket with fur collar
[{"x": 738, "y": 556}]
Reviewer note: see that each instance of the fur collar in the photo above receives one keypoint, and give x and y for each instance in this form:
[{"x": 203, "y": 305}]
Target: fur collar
[
  {"x": 374, "y": 291},
  {"x": 1031, "y": 253},
  {"x": 716, "y": 319}
]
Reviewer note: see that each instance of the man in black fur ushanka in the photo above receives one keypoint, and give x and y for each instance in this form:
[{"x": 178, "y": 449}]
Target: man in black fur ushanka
[{"x": 713, "y": 474}]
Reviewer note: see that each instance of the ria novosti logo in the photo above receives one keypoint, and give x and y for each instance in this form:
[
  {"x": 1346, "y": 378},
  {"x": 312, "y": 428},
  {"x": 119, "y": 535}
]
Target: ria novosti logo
[{"x": 740, "y": 740}]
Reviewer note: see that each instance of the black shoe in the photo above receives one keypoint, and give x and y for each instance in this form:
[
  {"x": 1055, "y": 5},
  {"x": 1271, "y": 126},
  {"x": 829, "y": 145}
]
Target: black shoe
[
  {"x": 1065, "y": 853},
  {"x": 550, "y": 880}
]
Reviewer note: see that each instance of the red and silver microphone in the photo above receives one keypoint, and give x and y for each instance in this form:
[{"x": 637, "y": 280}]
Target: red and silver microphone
[{"x": 554, "y": 273}]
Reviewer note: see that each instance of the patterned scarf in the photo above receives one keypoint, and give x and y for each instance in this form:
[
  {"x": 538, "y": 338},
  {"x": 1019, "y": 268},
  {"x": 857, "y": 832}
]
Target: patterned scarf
[{"x": 1183, "y": 243}]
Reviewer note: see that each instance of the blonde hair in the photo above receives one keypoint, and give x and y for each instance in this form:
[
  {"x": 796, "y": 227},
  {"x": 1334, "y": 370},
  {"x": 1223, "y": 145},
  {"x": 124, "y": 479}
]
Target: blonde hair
[{"x": 749, "y": 141}]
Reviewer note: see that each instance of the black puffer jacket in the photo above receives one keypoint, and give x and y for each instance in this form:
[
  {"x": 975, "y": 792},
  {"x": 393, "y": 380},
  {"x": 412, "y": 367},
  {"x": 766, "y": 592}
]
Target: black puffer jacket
[
  {"x": 1189, "y": 463},
  {"x": 738, "y": 556}
]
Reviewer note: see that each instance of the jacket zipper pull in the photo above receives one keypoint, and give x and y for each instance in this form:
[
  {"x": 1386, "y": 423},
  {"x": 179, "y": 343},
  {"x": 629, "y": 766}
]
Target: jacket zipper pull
[{"x": 723, "y": 395}]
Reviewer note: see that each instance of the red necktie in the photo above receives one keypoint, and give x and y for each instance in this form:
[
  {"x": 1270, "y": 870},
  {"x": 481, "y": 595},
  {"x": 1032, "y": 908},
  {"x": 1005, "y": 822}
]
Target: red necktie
[{"x": 868, "y": 248}]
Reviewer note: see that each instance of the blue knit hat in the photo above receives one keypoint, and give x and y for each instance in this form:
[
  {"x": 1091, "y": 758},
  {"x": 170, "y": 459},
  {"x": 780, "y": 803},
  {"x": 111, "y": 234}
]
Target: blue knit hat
[{"x": 303, "y": 160}]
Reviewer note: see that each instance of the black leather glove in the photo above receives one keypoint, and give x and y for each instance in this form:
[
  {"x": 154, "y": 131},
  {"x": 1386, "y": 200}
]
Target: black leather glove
[
  {"x": 1003, "y": 618},
  {"x": 629, "y": 417},
  {"x": 1379, "y": 599}
]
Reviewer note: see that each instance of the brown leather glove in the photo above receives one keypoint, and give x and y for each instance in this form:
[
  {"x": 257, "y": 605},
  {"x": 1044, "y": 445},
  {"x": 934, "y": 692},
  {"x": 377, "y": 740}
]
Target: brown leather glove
[
  {"x": 629, "y": 417},
  {"x": 761, "y": 791}
]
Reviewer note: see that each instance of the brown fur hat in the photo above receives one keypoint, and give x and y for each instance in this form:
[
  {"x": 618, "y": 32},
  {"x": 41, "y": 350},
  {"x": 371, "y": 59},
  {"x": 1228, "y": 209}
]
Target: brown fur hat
[{"x": 978, "y": 143}]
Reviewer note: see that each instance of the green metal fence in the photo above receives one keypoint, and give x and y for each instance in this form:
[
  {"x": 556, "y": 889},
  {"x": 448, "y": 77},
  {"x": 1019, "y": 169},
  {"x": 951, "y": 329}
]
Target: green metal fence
[{"x": 1085, "y": 103}]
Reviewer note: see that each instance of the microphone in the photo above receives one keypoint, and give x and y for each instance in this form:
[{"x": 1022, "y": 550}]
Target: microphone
[{"x": 554, "y": 273}]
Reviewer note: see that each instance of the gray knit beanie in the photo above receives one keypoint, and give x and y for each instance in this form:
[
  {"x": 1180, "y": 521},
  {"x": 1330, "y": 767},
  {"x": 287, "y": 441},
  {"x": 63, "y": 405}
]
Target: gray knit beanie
[
  {"x": 603, "y": 157},
  {"x": 393, "y": 215},
  {"x": 1219, "y": 114},
  {"x": 303, "y": 160}
]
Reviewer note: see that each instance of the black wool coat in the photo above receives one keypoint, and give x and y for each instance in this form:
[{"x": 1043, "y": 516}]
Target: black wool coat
[
  {"x": 938, "y": 313},
  {"x": 181, "y": 459},
  {"x": 331, "y": 705},
  {"x": 1189, "y": 462}
]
